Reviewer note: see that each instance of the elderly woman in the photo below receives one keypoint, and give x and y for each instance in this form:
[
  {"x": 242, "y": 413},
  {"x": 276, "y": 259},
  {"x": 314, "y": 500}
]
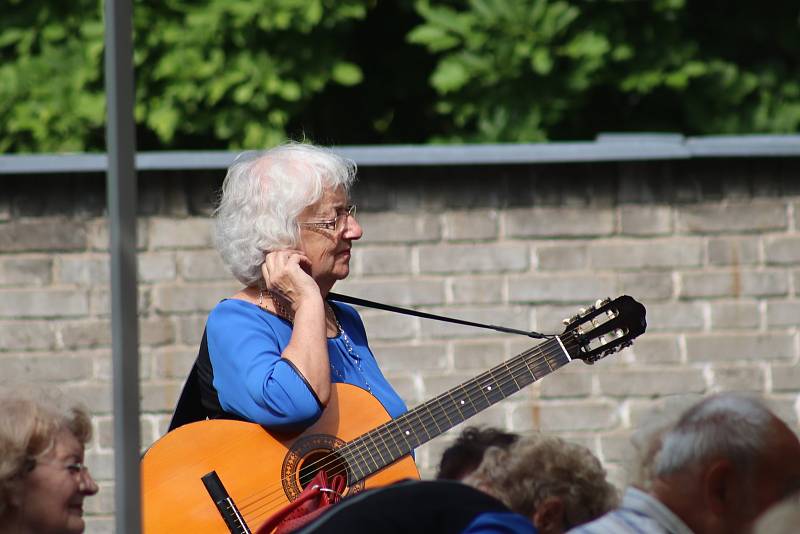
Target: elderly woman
[
  {"x": 43, "y": 479},
  {"x": 285, "y": 228},
  {"x": 548, "y": 482}
]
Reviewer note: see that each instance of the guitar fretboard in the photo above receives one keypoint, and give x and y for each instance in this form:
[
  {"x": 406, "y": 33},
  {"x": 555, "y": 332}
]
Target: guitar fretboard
[{"x": 397, "y": 438}]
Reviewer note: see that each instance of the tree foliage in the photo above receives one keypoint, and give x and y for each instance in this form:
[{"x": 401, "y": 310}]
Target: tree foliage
[
  {"x": 227, "y": 72},
  {"x": 216, "y": 74},
  {"x": 521, "y": 70}
]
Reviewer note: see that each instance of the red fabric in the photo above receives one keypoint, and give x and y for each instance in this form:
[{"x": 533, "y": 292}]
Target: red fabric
[{"x": 309, "y": 505}]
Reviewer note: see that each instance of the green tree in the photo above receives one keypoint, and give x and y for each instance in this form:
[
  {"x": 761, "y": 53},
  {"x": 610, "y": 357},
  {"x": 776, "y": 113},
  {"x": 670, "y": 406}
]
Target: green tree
[
  {"x": 210, "y": 74},
  {"x": 523, "y": 70}
]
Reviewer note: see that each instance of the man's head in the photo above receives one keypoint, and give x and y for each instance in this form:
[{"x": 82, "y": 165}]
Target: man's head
[
  {"x": 724, "y": 462},
  {"x": 555, "y": 483}
]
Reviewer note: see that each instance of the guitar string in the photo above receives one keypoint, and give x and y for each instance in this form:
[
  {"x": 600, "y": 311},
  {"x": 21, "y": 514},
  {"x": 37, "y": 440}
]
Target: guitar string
[
  {"x": 254, "y": 514},
  {"x": 355, "y": 447},
  {"x": 359, "y": 445},
  {"x": 264, "y": 508},
  {"x": 521, "y": 362}
]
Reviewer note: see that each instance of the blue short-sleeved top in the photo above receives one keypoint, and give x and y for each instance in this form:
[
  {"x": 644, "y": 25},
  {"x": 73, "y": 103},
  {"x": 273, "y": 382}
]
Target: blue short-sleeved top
[{"x": 253, "y": 381}]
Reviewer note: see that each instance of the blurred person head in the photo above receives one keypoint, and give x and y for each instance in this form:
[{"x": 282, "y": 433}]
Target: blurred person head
[
  {"x": 43, "y": 480},
  {"x": 465, "y": 454},
  {"x": 276, "y": 199},
  {"x": 782, "y": 518},
  {"x": 556, "y": 484},
  {"x": 726, "y": 460}
]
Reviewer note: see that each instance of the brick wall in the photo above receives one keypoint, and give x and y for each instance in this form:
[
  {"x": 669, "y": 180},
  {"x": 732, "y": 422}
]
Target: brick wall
[{"x": 710, "y": 246}]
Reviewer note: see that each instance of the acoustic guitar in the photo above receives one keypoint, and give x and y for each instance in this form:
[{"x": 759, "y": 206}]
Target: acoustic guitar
[{"x": 221, "y": 476}]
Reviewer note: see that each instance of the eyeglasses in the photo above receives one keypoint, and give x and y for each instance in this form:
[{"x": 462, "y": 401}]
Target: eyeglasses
[
  {"x": 75, "y": 468},
  {"x": 337, "y": 223}
]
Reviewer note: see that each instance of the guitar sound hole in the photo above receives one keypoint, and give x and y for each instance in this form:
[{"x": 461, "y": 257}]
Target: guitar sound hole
[{"x": 329, "y": 461}]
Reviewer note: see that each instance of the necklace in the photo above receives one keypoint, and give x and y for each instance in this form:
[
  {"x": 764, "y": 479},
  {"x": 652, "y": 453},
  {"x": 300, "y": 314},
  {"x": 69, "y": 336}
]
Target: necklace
[
  {"x": 350, "y": 351},
  {"x": 281, "y": 310}
]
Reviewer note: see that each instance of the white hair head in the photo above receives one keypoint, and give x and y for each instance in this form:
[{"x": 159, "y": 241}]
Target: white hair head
[
  {"x": 727, "y": 425},
  {"x": 262, "y": 195}
]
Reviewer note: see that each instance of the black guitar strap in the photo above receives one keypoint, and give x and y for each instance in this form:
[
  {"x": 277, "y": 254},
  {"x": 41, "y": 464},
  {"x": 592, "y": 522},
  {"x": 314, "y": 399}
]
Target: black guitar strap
[{"x": 199, "y": 400}]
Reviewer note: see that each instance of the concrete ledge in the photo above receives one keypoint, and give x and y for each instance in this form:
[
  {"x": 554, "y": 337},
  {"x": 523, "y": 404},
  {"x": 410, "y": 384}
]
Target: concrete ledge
[{"x": 607, "y": 147}]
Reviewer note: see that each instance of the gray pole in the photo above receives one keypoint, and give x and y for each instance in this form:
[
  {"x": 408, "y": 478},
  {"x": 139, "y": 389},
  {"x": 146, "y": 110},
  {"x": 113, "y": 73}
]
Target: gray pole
[{"x": 121, "y": 193}]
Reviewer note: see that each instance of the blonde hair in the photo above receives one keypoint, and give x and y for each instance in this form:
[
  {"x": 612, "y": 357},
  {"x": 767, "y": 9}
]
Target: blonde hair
[
  {"x": 539, "y": 466},
  {"x": 30, "y": 418}
]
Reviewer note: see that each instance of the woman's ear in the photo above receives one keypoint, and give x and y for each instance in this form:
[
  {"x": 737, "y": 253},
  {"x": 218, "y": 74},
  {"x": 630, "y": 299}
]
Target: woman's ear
[{"x": 548, "y": 518}]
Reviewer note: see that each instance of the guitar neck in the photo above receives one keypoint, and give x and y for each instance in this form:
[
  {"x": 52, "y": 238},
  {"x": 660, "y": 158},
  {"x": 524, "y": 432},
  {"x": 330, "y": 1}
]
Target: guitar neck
[{"x": 397, "y": 438}]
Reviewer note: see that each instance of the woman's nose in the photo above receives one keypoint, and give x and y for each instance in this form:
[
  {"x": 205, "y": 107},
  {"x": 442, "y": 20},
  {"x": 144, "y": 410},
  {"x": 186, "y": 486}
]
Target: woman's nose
[
  {"x": 87, "y": 485},
  {"x": 352, "y": 229}
]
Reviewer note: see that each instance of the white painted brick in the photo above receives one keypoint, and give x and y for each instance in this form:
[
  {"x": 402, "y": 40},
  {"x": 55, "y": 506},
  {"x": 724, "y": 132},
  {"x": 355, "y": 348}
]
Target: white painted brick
[
  {"x": 193, "y": 232},
  {"x": 650, "y": 254},
  {"x": 782, "y": 313},
  {"x": 560, "y": 257},
  {"x": 674, "y": 316},
  {"x": 471, "y": 225},
  {"x": 480, "y": 355},
  {"x": 395, "y": 291},
  {"x": 782, "y": 250},
  {"x": 386, "y": 326},
  {"x": 732, "y": 217},
  {"x": 477, "y": 290},
  {"x": 504, "y": 316},
  {"x": 559, "y": 222},
  {"x": 30, "y": 303},
  {"x": 561, "y": 416},
  {"x": 651, "y": 382},
  {"x": 191, "y": 298},
  {"x": 424, "y": 357},
  {"x": 736, "y": 314},
  {"x": 785, "y": 377},
  {"x": 83, "y": 270},
  {"x": 48, "y": 234},
  {"x": 734, "y": 283},
  {"x": 738, "y": 378},
  {"x": 560, "y": 288},
  {"x": 646, "y": 285},
  {"x": 32, "y": 368},
  {"x": 202, "y": 266},
  {"x": 30, "y": 271},
  {"x": 399, "y": 228},
  {"x": 736, "y": 347},
  {"x": 733, "y": 251},
  {"x": 27, "y": 335},
  {"x": 156, "y": 267},
  {"x": 472, "y": 258},
  {"x": 567, "y": 383},
  {"x": 657, "y": 349},
  {"x": 646, "y": 220},
  {"x": 99, "y": 239},
  {"x": 383, "y": 260}
]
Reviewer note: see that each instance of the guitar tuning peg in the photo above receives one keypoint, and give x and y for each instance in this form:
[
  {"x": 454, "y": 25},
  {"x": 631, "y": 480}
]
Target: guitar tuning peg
[
  {"x": 582, "y": 311},
  {"x": 602, "y": 302},
  {"x": 566, "y": 321}
]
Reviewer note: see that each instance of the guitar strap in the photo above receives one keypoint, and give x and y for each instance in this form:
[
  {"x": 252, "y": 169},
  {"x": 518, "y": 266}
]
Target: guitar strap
[{"x": 199, "y": 400}]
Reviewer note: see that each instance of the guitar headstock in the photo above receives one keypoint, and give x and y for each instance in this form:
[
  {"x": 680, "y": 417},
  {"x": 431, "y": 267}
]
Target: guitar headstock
[{"x": 605, "y": 328}]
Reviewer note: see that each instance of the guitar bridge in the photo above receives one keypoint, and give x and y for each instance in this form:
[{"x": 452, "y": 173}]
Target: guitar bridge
[{"x": 224, "y": 503}]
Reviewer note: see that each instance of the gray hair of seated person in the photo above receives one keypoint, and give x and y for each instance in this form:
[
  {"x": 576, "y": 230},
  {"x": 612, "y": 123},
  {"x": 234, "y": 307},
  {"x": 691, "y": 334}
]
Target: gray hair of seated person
[
  {"x": 727, "y": 425},
  {"x": 30, "y": 419},
  {"x": 540, "y": 466},
  {"x": 262, "y": 196}
]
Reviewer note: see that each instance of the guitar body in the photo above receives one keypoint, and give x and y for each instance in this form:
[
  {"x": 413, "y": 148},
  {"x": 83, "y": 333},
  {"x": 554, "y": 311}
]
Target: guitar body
[{"x": 259, "y": 469}]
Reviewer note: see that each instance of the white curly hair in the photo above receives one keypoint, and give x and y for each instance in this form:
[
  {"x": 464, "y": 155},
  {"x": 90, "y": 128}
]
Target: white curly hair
[{"x": 262, "y": 195}]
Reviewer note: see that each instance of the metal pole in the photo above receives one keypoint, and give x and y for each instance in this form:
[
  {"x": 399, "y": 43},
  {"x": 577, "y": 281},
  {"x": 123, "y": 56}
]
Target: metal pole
[{"x": 121, "y": 195}]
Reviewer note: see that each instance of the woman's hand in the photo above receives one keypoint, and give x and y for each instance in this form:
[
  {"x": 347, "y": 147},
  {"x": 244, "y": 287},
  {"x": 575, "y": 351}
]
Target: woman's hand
[{"x": 287, "y": 274}]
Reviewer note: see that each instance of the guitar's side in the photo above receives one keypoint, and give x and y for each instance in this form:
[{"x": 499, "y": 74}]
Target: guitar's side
[{"x": 248, "y": 460}]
